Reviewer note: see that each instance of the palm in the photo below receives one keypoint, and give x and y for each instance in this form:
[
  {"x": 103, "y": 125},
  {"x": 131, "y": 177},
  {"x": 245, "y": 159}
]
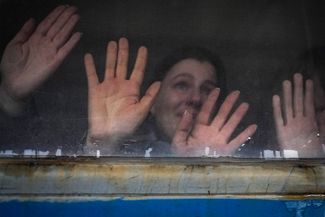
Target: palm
[
  {"x": 297, "y": 132},
  {"x": 214, "y": 134},
  {"x": 117, "y": 102},
  {"x": 33, "y": 55},
  {"x": 115, "y": 106},
  {"x": 26, "y": 66},
  {"x": 205, "y": 135},
  {"x": 296, "y": 127}
]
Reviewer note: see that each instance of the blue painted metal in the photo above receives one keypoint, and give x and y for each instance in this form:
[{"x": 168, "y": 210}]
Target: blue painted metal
[
  {"x": 157, "y": 188},
  {"x": 192, "y": 207}
]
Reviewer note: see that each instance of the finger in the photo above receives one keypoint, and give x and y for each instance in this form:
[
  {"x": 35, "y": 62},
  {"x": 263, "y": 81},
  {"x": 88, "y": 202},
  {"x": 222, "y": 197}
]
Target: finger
[
  {"x": 62, "y": 36},
  {"x": 61, "y": 21},
  {"x": 122, "y": 58},
  {"x": 147, "y": 100},
  {"x": 309, "y": 99},
  {"x": 45, "y": 25},
  {"x": 24, "y": 32},
  {"x": 287, "y": 98},
  {"x": 91, "y": 71},
  {"x": 242, "y": 137},
  {"x": 277, "y": 114},
  {"x": 68, "y": 46},
  {"x": 207, "y": 108},
  {"x": 110, "y": 60},
  {"x": 298, "y": 95},
  {"x": 183, "y": 129},
  {"x": 234, "y": 120},
  {"x": 225, "y": 109},
  {"x": 140, "y": 65}
]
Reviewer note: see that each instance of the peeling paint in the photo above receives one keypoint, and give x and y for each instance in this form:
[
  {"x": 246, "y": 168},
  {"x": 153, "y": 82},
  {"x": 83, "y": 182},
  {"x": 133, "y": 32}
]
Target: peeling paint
[{"x": 97, "y": 176}]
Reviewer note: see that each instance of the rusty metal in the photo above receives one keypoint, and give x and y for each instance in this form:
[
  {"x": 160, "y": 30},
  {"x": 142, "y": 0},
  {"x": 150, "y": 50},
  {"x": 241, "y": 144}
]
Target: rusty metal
[{"x": 114, "y": 177}]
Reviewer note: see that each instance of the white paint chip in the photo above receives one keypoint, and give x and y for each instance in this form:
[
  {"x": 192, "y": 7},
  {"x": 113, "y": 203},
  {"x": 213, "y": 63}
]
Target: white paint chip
[
  {"x": 58, "y": 152},
  {"x": 277, "y": 154},
  {"x": 42, "y": 153},
  {"x": 8, "y": 153},
  {"x": 147, "y": 154},
  {"x": 206, "y": 151},
  {"x": 268, "y": 154},
  {"x": 98, "y": 153},
  {"x": 290, "y": 154},
  {"x": 29, "y": 152}
]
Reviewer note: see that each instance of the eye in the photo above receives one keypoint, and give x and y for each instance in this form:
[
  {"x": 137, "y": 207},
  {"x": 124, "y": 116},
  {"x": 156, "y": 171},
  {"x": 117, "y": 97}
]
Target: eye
[
  {"x": 182, "y": 85},
  {"x": 206, "y": 90}
]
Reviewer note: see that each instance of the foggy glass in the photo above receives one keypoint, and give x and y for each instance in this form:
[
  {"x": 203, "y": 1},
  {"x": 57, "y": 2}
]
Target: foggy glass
[{"x": 260, "y": 44}]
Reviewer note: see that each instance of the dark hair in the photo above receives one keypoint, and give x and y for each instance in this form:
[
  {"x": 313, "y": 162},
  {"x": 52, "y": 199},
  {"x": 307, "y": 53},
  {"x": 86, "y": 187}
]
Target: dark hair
[
  {"x": 312, "y": 62},
  {"x": 197, "y": 53}
]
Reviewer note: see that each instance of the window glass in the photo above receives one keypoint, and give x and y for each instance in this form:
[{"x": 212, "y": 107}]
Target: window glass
[{"x": 162, "y": 78}]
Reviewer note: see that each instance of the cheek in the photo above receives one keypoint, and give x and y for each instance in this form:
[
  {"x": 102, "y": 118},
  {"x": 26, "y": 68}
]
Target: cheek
[
  {"x": 172, "y": 99},
  {"x": 204, "y": 98}
]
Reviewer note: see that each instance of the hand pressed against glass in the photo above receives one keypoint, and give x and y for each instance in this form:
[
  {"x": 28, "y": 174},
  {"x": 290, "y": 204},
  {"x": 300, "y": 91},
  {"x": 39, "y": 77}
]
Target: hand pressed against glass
[
  {"x": 184, "y": 107},
  {"x": 214, "y": 134},
  {"x": 115, "y": 106},
  {"x": 296, "y": 126},
  {"x": 34, "y": 54}
]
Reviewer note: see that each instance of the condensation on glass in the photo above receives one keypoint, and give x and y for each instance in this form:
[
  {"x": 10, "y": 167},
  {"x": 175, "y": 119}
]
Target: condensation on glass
[{"x": 215, "y": 79}]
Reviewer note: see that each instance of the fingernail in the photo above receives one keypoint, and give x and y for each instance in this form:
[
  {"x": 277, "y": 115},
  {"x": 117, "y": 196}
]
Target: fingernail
[
  {"x": 286, "y": 82},
  {"x": 245, "y": 105},
  {"x": 298, "y": 75},
  {"x": 236, "y": 92},
  {"x": 186, "y": 113}
]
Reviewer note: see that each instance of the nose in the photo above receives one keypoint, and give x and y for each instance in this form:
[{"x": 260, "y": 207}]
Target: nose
[{"x": 196, "y": 99}]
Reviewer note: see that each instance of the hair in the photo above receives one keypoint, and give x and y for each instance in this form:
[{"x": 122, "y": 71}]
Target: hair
[
  {"x": 197, "y": 53},
  {"x": 312, "y": 62}
]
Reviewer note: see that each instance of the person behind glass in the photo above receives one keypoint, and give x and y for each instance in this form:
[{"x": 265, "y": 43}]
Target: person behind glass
[
  {"x": 300, "y": 117},
  {"x": 181, "y": 104},
  {"x": 34, "y": 54}
]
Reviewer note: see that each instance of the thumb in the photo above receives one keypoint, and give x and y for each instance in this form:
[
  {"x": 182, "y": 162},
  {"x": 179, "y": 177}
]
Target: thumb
[
  {"x": 183, "y": 130},
  {"x": 147, "y": 100}
]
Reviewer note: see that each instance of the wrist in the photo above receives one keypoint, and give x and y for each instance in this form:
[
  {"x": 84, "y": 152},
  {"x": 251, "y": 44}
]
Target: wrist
[
  {"x": 306, "y": 147},
  {"x": 103, "y": 145},
  {"x": 9, "y": 104}
]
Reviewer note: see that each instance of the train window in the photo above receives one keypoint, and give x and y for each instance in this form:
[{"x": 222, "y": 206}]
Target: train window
[{"x": 162, "y": 78}]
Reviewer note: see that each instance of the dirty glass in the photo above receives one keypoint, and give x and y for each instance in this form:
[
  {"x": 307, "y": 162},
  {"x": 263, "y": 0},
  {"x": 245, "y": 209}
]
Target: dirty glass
[{"x": 215, "y": 78}]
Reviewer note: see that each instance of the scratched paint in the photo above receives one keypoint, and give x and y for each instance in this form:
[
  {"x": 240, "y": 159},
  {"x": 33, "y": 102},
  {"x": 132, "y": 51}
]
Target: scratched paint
[
  {"x": 107, "y": 177},
  {"x": 161, "y": 187}
]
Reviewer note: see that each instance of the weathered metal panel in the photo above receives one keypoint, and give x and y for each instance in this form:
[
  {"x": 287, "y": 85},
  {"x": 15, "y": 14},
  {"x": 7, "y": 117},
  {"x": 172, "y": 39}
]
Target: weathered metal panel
[{"x": 113, "y": 176}]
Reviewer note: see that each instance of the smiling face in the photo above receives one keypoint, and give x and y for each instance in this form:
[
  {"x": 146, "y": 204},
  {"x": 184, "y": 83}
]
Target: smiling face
[{"x": 186, "y": 86}]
